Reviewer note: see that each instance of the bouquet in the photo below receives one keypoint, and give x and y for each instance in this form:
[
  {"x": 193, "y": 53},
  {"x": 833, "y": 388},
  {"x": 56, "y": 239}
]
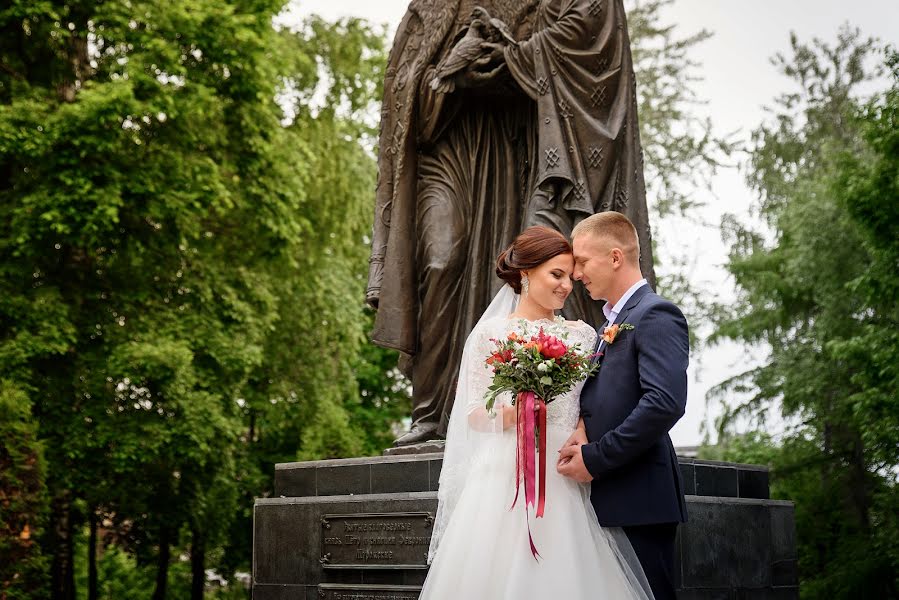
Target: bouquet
[
  {"x": 536, "y": 370},
  {"x": 543, "y": 364}
]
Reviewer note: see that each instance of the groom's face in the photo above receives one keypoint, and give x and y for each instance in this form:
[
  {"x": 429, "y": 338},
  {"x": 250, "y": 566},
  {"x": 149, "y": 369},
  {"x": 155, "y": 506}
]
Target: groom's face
[{"x": 593, "y": 265}]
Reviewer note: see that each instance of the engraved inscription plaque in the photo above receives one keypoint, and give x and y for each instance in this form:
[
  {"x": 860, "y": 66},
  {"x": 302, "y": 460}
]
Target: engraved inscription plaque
[
  {"x": 336, "y": 591},
  {"x": 376, "y": 541}
]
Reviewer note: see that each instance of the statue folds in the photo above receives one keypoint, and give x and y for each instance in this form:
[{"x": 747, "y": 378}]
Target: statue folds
[{"x": 539, "y": 131}]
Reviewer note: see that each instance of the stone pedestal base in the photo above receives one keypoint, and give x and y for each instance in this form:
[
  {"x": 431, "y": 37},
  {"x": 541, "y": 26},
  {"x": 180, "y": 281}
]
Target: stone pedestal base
[{"x": 353, "y": 529}]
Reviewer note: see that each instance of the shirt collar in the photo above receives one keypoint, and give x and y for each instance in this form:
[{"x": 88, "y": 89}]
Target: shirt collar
[{"x": 611, "y": 312}]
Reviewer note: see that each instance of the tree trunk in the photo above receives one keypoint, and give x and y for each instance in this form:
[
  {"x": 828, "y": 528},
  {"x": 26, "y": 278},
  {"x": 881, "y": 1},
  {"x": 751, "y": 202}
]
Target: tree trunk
[
  {"x": 78, "y": 58},
  {"x": 858, "y": 483},
  {"x": 162, "y": 569},
  {"x": 92, "y": 556},
  {"x": 197, "y": 564},
  {"x": 63, "y": 565}
]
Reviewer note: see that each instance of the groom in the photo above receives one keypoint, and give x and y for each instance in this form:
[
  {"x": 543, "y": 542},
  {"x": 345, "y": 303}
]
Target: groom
[{"x": 621, "y": 444}]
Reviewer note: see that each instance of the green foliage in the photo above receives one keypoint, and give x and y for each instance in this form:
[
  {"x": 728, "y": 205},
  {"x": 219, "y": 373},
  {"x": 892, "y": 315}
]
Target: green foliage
[
  {"x": 819, "y": 291},
  {"x": 385, "y": 395},
  {"x": 181, "y": 261},
  {"x": 867, "y": 188},
  {"x": 23, "y": 569},
  {"x": 120, "y": 577}
]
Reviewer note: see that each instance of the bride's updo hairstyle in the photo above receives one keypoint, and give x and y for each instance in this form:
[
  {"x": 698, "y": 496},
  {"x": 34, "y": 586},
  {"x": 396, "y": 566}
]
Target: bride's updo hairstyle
[{"x": 533, "y": 247}]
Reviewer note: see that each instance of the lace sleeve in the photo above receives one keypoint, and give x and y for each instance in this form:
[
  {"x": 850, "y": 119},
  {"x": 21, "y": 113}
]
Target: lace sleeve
[
  {"x": 584, "y": 335},
  {"x": 478, "y": 373},
  {"x": 479, "y": 376}
]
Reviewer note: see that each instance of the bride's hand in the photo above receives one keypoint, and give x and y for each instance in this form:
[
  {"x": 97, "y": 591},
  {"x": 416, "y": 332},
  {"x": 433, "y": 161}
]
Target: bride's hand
[
  {"x": 577, "y": 437},
  {"x": 510, "y": 416}
]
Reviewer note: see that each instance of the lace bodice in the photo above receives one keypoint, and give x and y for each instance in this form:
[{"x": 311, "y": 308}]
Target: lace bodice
[{"x": 564, "y": 410}]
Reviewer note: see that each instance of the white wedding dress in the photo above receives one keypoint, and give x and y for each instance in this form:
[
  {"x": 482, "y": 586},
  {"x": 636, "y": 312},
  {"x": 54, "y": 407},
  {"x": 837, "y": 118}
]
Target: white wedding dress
[{"x": 480, "y": 549}]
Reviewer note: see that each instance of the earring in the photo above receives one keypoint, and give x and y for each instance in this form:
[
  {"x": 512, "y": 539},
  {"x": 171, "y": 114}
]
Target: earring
[{"x": 525, "y": 284}]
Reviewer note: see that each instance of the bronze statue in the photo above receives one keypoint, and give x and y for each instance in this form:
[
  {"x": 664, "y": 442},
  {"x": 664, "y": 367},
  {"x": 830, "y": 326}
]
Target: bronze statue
[{"x": 539, "y": 131}]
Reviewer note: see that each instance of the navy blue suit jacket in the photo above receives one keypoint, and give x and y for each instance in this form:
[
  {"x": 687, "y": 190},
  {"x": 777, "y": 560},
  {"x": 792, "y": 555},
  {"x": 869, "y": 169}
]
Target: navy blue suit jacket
[{"x": 628, "y": 408}]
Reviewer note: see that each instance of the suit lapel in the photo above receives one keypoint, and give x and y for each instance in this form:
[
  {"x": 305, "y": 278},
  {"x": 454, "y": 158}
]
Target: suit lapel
[{"x": 633, "y": 301}]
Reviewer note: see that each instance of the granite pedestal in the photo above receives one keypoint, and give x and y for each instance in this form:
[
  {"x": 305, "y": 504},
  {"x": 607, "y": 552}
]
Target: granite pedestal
[{"x": 357, "y": 529}]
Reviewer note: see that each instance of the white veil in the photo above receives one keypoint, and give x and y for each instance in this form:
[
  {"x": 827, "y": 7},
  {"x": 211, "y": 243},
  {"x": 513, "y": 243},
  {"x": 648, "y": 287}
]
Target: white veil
[{"x": 464, "y": 441}]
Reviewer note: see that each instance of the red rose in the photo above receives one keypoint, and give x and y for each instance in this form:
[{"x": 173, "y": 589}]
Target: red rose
[{"x": 553, "y": 347}]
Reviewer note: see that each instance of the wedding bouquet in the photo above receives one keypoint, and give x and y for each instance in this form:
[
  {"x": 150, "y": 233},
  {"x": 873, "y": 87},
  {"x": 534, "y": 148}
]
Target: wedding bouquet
[
  {"x": 543, "y": 364},
  {"x": 536, "y": 370}
]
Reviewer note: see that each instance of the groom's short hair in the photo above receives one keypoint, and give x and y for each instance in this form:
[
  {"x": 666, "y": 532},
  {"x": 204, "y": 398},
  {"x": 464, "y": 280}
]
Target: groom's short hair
[{"x": 614, "y": 227}]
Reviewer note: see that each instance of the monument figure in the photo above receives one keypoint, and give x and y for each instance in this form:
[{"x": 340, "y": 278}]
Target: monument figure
[{"x": 540, "y": 129}]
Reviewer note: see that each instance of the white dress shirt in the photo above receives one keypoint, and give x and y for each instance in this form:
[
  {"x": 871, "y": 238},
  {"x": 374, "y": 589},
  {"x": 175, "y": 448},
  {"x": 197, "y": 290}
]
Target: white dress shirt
[{"x": 612, "y": 312}]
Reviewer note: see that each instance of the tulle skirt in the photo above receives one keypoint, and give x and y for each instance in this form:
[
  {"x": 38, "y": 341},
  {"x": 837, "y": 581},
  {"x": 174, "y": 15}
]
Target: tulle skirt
[{"x": 484, "y": 552}]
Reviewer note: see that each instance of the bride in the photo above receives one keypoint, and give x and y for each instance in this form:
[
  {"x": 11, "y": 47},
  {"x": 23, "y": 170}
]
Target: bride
[{"x": 480, "y": 547}]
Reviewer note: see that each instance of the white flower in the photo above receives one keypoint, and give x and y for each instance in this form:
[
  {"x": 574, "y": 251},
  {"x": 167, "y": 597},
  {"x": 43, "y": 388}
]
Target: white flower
[{"x": 543, "y": 367}]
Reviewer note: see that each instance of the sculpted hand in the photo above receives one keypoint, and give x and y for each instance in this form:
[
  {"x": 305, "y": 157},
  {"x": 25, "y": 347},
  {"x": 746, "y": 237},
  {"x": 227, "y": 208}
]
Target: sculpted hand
[
  {"x": 571, "y": 464},
  {"x": 484, "y": 69},
  {"x": 493, "y": 55},
  {"x": 473, "y": 77}
]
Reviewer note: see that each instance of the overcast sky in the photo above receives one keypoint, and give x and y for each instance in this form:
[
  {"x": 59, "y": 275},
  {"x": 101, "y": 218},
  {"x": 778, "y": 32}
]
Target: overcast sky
[{"x": 738, "y": 81}]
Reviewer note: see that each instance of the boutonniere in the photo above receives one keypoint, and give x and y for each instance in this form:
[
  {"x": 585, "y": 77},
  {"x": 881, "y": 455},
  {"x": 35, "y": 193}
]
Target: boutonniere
[{"x": 611, "y": 332}]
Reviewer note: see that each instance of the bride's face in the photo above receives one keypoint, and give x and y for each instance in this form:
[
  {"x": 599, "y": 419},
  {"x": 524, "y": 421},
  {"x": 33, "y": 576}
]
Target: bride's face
[{"x": 550, "y": 282}]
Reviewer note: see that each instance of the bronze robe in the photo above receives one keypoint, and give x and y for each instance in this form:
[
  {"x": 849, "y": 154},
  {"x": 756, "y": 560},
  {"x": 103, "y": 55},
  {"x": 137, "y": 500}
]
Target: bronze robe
[
  {"x": 577, "y": 67},
  {"x": 461, "y": 174},
  {"x": 452, "y": 182}
]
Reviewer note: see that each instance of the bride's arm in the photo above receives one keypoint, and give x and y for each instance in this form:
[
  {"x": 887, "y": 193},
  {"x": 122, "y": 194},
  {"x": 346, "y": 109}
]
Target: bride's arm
[
  {"x": 480, "y": 420},
  {"x": 475, "y": 378}
]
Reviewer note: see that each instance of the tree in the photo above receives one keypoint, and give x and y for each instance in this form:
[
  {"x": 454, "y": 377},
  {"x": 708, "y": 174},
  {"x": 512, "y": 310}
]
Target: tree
[
  {"x": 682, "y": 150},
  {"x": 304, "y": 400},
  {"x": 157, "y": 224},
  {"x": 867, "y": 188},
  {"x": 820, "y": 296}
]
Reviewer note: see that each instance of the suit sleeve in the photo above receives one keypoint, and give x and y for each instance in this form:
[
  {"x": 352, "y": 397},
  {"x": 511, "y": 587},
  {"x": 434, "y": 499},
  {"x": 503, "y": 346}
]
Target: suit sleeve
[{"x": 663, "y": 347}]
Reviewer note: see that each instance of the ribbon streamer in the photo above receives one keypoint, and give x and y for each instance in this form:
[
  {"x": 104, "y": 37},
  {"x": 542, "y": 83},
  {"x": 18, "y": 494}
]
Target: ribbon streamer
[{"x": 531, "y": 441}]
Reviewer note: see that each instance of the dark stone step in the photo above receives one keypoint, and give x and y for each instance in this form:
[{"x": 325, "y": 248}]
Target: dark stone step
[
  {"x": 730, "y": 547},
  {"x": 421, "y": 473}
]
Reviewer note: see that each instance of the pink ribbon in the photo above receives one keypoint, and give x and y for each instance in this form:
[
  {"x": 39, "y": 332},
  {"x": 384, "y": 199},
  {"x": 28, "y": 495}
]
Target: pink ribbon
[{"x": 531, "y": 422}]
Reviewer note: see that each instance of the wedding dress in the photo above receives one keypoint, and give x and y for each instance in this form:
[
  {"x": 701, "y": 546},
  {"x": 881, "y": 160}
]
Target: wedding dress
[{"x": 480, "y": 548}]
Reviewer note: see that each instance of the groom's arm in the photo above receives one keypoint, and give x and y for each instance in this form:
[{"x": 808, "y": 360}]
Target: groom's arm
[{"x": 663, "y": 349}]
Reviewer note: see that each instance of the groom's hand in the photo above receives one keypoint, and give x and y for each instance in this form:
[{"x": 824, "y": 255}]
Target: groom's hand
[
  {"x": 577, "y": 437},
  {"x": 571, "y": 464}
]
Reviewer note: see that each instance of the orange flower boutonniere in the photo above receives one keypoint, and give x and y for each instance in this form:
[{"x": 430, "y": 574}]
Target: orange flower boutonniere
[{"x": 611, "y": 332}]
